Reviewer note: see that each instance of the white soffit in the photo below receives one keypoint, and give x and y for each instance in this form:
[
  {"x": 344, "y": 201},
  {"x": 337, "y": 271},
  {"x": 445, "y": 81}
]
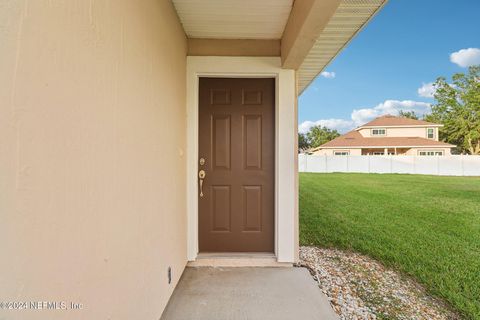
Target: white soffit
[
  {"x": 233, "y": 19},
  {"x": 348, "y": 19}
]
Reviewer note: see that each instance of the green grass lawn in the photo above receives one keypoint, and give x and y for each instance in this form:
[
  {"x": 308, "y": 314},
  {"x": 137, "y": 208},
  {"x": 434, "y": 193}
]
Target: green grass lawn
[{"x": 425, "y": 226}]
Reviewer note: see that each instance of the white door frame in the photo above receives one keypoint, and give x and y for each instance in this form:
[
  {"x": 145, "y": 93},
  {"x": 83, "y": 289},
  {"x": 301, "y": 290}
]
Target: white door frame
[{"x": 286, "y": 218}]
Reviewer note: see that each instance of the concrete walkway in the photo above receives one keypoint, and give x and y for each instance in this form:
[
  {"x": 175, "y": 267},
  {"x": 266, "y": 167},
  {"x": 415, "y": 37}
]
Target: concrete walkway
[{"x": 247, "y": 293}]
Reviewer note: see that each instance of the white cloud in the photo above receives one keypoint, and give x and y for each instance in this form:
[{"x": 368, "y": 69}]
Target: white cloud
[
  {"x": 328, "y": 75},
  {"x": 337, "y": 124},
  {"x": 466, "y": 57},
  {"x": 364, "y": 115},
  {"x": 392, "y": 107},
  {"x": 427, "y": 90}
]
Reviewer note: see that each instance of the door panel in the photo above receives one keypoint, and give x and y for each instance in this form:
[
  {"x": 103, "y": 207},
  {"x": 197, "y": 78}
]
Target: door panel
[
  {"x": 252, "y": 208},
  {"x": 252, "y": 138},
  {"x": 237, "y": 141},
  {"x": 221, "y": 206},
  {"x": 221, "y": 141}
]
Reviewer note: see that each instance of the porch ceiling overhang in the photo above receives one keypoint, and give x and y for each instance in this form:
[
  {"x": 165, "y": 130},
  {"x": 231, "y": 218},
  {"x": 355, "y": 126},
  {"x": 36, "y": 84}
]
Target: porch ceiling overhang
[
  {"x": 306, "y": 34},
  {"x": 233, "y": 19},
  {"x": 349, "y": 18}
]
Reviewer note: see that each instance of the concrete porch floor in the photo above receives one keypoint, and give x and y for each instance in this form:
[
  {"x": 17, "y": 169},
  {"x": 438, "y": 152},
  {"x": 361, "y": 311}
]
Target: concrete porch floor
[{"x": 247, "y": 293}]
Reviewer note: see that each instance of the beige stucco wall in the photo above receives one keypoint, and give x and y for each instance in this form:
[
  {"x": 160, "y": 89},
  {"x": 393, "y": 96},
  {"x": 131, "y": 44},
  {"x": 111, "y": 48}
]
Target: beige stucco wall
[
  {"x": 92, "y": 165},
  {"x": 330, "y": 152},
  {"x": 402, "y": 132},
  {"x": 358, "y": 152},
  {"x": 414, "y": 151}
]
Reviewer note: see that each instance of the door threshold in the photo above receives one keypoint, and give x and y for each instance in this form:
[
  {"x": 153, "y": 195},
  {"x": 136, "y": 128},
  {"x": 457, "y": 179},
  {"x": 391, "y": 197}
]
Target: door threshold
[{"x": 237, "y": 259}]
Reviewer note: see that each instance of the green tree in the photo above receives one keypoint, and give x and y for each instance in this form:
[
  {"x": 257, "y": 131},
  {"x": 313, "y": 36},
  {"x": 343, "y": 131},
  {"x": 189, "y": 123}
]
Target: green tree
[
  {"x": 303, "y": 143},
  {"x": 319, "y": 135},
  {"x": 408, "y": 114},
  {"x": 457, "y": 107}
]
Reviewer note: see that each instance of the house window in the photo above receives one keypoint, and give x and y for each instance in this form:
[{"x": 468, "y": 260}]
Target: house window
[
  {"x": 376, "y": 153},
  {"x": 431, "y": 133},
  {"x": 341, "y": 153},
  {"x": 430, "y": 153},
  {"x": 379, "y": 132}
]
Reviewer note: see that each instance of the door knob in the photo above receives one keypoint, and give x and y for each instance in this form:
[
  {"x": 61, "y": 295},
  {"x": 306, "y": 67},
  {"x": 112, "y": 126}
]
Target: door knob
[{"x": 201, "y": 176}]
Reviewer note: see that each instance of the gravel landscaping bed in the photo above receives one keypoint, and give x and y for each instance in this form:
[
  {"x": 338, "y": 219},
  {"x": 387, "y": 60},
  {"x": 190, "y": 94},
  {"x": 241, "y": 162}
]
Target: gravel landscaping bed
[{"x": 361, "y": 288}]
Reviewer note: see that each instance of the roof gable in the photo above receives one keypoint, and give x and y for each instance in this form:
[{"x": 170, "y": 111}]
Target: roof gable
[
  {"x": 392, "y": 121},
  {"x": 354, "y": 139}
]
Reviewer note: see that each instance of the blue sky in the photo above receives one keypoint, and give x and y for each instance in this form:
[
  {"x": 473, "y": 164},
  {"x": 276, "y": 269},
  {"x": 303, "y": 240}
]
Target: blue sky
[{"x": 407, "y": 45}]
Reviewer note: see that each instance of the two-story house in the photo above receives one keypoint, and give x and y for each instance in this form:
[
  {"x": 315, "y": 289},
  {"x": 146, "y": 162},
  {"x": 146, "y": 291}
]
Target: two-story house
[{"x": 389, "y": 135}]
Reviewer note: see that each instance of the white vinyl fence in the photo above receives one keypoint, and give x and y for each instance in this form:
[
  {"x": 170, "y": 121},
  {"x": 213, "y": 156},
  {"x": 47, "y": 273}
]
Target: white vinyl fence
[{"x": 434, "y": 165}]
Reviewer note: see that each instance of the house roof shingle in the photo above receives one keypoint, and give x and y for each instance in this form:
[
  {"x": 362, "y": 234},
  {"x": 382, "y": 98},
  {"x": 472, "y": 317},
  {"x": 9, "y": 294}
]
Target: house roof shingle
[
  {"x": 389, "y": 120},
  {"x": 355, "y": 139}
]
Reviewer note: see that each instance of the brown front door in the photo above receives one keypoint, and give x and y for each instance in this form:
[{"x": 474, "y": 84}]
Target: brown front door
[{"x": 237, "y": 143}]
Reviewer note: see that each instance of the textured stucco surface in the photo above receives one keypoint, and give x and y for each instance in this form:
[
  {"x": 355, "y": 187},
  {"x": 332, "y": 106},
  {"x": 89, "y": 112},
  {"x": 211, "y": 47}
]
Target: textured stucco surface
[
  {"x": 400, "y": 151},
  {"x": 92, "y": 165},
  {"x": 415, "y": 151},
  {"x": 401, "y": 132},
  {"x": 330, "y": 152}
]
